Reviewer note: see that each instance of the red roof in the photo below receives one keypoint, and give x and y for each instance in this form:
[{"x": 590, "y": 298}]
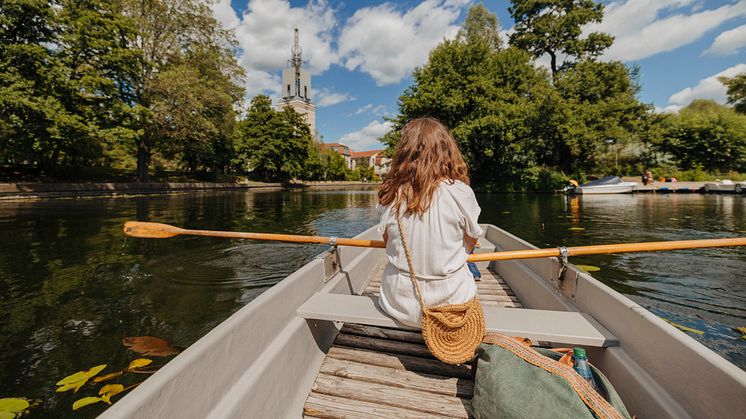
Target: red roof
[{"x": 361, "y": 154}]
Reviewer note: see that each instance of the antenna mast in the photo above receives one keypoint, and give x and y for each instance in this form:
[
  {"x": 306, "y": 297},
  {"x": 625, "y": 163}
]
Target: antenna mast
[{"x": 297, "y": 60}]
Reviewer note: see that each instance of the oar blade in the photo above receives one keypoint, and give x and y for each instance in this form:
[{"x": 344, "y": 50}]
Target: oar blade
[{"x": 147, "y": 230}]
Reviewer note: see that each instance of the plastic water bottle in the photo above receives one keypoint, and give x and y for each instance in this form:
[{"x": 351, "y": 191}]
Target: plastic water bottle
[{"x": 580, "y": 364}]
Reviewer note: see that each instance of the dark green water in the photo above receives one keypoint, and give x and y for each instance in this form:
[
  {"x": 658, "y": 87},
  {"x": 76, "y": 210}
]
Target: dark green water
[{"x": 71, "y": 286}]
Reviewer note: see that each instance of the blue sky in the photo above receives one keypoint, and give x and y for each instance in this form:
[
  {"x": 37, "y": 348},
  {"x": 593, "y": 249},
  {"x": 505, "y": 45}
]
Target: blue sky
[{"x": 361, "y": 53}]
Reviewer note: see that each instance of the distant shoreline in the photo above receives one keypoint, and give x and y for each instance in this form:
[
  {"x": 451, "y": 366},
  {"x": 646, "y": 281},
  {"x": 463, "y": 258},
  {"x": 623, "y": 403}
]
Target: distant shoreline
[{"x": 28, "y": 190}]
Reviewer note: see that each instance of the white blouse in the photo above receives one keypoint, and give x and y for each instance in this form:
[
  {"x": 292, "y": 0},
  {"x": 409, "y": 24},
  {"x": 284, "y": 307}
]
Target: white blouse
[{"x": 436, "y": 244}]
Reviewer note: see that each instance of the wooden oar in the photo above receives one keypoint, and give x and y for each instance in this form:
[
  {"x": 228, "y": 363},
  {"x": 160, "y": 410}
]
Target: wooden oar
[
  {"x": 163, "y": 231},
  {"x": 604, "y": 249}
]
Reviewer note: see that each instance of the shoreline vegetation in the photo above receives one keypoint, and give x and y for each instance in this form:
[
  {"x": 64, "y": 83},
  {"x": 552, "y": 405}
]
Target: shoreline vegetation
[{"x": 126, "y": 91}]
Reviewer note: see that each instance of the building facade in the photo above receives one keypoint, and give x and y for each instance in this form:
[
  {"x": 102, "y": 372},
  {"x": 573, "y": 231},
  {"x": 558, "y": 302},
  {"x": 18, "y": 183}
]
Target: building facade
[{"x": 296, "y": 86}]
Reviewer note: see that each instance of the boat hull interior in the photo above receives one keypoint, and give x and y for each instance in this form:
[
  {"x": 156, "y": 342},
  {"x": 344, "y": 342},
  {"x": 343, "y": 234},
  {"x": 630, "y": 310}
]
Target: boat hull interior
[{"x": 268, "y": 361}]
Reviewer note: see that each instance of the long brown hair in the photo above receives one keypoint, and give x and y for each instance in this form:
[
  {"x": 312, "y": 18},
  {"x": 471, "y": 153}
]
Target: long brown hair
[{"x": 426, "y": 155}]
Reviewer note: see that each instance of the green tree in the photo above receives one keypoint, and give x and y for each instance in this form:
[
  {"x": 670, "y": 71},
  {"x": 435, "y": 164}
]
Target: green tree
[
  {"x": 490, "y": 101},
  {"x": 598, "y": 107},
  {"x": 480, "y": 24},
  {"x": 65, "y": 74},
  {"x": 554, "y": 27},
  {"x": 706, "y": 135},
  {"x": 272, "y": 144},
  {"x": 736, "y": 91},
  {"x": 175, "y": 39},
  {"x": 335, "y": 166},
  {"x": 94, "y": 47}
]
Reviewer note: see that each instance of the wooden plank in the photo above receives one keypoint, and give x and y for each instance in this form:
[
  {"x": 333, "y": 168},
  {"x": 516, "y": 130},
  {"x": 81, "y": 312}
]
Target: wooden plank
[
  {"x": 383, "y": 345},
  {"x": 327, "y": 406},
  {"x": 400, "y": 362},
  {"x": 392, "y": 377},
  {"x": 392, "y": 396},
  {"x": 383, "y": 333},
  {"x": 567, "y": 327}
]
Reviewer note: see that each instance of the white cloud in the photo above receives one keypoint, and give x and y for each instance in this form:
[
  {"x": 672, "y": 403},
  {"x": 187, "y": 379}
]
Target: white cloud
[
  {"x": 224, "y": 13},
  {"x": 379, "y": 110},
  {"x": 265, "y": 36},
  {"x": 366, "y": 138},
  {"x": 707, "y": 88},
  {"x": 325, "y": 97},
  {"x": 728, "y": 42},
  {"x": 639, "y": 33},
  {"x": 388, "y": 43}
]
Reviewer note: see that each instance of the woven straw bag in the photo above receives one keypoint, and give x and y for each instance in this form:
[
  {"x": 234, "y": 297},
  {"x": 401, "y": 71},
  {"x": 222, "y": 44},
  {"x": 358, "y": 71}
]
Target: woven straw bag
[{"x": 452, "y": 332}]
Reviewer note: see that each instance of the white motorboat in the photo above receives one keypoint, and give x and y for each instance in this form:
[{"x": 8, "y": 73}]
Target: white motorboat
[
  {"x": 607, "y": 185},
  {"x": 725, "y": 185}
]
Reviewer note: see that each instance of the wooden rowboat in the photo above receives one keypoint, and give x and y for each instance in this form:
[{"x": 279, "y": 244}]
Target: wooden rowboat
[{"x": 317, "y": 345}]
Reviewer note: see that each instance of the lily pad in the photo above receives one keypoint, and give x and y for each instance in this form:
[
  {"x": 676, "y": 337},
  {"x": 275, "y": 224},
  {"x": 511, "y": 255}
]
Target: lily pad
[
  {"x": 139, "y": 363},
  {"x": 85, "y": 401},
  {"x": 77, "y": 380},
  {"x": 684, "y": 328},
  {"x": 11, "y": 406},
  {"x": 742, "y": 330},
  {"x": 576, "y": 228},
  {"x": 149, "y": 345},
  {"x": 588, "y": 268},
  {"x": 110, "y": 390}
]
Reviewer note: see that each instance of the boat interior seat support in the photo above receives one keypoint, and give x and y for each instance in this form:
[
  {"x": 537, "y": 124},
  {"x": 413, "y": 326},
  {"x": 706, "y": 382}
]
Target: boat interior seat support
[{"x": 556, "y": 327}]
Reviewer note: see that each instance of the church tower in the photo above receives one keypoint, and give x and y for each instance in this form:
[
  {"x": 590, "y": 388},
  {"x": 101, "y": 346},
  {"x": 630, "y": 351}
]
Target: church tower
[{"x": 296, "y": 86}]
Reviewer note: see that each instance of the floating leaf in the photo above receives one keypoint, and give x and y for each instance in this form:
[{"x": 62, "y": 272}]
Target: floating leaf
[
  {"x": 85, "y": 401},
  {"x": 110, "y": 390},
  {"x": 576, "y": 228},
  {"x": 743, "y": 331},
  {"x": 149, "y": 345},
  {"x": 107, "y": 377},
  {"x": 674, "y": 219},
  {"x": 684, "y": 328},
  {"x": 505, "y": 212},
  {"x": 76, "y": 381},
  {"x": 139, "y": 363},
  {"x": 12, "y": 405},
  {"x": 588, "y": 268}
]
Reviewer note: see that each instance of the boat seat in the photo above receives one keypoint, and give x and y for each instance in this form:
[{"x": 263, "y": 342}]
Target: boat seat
[{"x": 566, "y": 327}]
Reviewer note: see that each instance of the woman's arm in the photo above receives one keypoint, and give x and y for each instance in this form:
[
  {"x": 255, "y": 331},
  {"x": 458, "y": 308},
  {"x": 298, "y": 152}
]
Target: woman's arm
[
  {"x": 470, "y": 242},
  {"x": 386, "y": 237}
]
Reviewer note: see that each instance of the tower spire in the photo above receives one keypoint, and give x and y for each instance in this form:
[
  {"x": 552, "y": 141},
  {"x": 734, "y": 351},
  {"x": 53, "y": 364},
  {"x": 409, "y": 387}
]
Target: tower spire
[{"x": 297, "y": 57}]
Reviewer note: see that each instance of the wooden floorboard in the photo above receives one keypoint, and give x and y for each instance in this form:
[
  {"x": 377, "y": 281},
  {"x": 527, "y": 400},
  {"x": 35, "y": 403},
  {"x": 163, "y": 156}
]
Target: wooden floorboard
[{"x": 374, "y": 372}]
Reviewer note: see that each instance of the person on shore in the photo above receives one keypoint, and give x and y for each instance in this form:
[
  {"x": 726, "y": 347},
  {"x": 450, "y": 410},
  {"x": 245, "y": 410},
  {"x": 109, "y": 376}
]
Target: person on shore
[
  {"x": 647, "y": 177},
  {"x": 428, "y": 191}
]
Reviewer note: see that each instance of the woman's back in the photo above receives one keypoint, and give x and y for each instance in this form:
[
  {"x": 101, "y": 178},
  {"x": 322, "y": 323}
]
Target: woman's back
[
  {"x": 435, "y": 238},
  {"x": 427, "y": 189}
]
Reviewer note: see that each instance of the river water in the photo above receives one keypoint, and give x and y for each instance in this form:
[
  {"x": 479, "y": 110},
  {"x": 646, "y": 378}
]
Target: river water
[{"x": 72, "y": 287}]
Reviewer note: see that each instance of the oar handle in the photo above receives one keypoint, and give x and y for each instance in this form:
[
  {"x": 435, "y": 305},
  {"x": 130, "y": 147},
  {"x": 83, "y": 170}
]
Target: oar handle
[{"x": 608, "y": 249}]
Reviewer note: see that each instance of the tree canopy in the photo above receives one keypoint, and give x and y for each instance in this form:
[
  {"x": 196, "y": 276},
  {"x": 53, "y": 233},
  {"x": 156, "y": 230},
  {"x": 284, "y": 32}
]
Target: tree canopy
[
  {"x": 736, "y": 91},
  {"x": 512, "y": 124},
  {"x": 554, "y": 27}
]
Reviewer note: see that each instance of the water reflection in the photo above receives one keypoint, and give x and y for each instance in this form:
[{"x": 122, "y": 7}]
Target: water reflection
[
  {"x": 702, "y": 288},
  {"x": 71, "y": 286}
]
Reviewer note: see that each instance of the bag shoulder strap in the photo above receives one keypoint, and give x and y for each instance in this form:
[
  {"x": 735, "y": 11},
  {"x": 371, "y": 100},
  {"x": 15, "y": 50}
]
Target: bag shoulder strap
[{"x": 412, "y": 274}]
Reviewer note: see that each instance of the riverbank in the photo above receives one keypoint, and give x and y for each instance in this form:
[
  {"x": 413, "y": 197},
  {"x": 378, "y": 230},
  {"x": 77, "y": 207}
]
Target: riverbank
[{"x": 13, "y": 191}]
